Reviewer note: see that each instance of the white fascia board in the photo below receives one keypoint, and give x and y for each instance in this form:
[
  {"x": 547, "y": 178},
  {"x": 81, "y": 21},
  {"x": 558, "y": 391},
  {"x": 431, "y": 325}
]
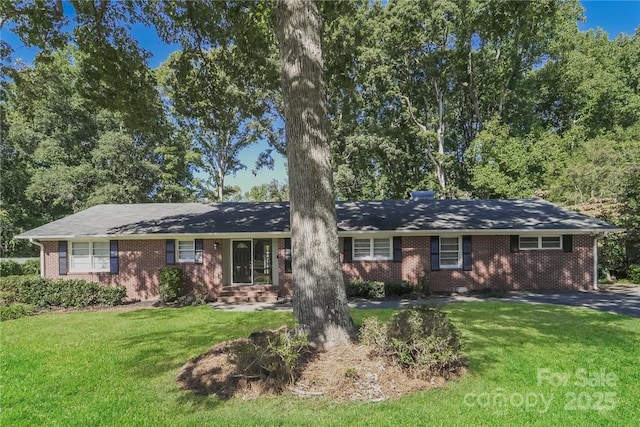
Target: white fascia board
[
  {"x": 496, "y": 232},
  {"x": 218, "y": 236},
  {"x": 350, "y": 233}
]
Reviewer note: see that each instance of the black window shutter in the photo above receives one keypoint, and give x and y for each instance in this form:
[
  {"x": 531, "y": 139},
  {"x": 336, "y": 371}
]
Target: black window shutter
[
  {"x": 435, "y": 253},
  {"x": 567, "y": 242},
  {"x": 515, "y": 243},
  {"x": 171, "y": 252},
  {"x": 287, "y": 255},
  {"x": 199, "y": 251},
  {"x": 62, "y": 257},
  {"x": 113, "y": 257},
  {"x": 397, "y": 249},
  {"x": 466, "y": 253},
  {"x": 347, "y": 249}
]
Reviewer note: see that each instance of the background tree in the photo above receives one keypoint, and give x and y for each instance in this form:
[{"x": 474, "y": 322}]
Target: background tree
[
  {"x": 270, "y": 192},
  {"x": 221, "y": 111}
]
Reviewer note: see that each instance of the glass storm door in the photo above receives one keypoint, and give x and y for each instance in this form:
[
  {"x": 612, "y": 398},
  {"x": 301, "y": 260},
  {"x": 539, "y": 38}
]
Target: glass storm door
[
  {"x": 242, "y": 261},
  {"x": 262, "y": 261}
]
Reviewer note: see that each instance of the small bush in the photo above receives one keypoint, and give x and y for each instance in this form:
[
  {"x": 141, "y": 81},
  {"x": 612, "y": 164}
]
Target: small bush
[
  {"x": 365, "y": 289},
  {"x": 374, "y": 332},
  {"x": 31, "y": 266},
  {"x": 10, "y": 268},
  {"x": 170, "y": 279},
  {"x": 272, "y": 356},
  {"x": 634, "y": 273},
  {"x": 15, "y": 311},
  {"x": 424, "y": 284},
  {"x": 30, "y": 290},
  {"x": 397, "y": 288},
  {"x": 112, "y": 295},
  {"x": 417, "y": 338}
]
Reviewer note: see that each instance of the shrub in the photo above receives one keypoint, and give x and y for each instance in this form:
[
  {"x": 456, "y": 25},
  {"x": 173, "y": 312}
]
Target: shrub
[
  {"x": 417, "y": 338},
  {"x": 27, "y": 289},
  {"x": 31, "y": 266},
  {"x": 112, "y": 295},
  {"x": 424, "y": 284},
  {"x": 170, "y": 283},
  {"x": 39, "y": 292},
  {"x": 634, "y": 273},
  {"x": 365, "y": 289},
  {"x": 272, "y": 356},
  {"x": 15, "y": 311},
  {"x": 9, "y": 268},
  {"x": 373, "y": 332},
  {"x": 397, "y": 288}
]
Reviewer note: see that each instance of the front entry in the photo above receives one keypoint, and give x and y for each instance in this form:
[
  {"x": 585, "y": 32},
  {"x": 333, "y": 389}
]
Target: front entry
[
  {"x": 252, "y": 261},
  {"x": 242, "y": 261}
]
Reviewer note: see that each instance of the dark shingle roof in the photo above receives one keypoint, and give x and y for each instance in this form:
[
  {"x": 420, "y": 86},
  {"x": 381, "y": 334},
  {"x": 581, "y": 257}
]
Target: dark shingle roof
[{"x": 391, "y": 215}]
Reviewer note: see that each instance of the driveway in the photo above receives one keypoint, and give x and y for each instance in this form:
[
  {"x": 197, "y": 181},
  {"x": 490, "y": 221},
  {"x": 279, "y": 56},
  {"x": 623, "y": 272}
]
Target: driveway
[{"x": 618, "y": 300}]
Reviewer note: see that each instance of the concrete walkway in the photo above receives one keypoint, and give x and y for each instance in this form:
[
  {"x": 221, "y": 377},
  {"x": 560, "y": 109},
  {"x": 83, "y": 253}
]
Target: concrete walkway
[{"x": 619, "y": 300}]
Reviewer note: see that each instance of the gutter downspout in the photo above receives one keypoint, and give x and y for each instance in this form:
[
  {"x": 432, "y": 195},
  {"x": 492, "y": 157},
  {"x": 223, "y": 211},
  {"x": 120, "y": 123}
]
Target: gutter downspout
[
  {"x": 41, "y": 246},
  {"x": 595, "y": 262}
]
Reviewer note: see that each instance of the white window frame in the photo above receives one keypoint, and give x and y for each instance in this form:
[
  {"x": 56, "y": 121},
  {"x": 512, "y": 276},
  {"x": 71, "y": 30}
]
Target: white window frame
[
  {"x": 539, "y": 247},
  {"x": 190, "y": 260},
  {"x": 371, "y": 256},
  {"x": 458, "y": 252},
  {"x": 92, "y": 258}
]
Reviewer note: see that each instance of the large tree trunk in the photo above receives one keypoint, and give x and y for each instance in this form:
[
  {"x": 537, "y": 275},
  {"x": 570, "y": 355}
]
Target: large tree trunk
[{"x": 319, "y": 298}]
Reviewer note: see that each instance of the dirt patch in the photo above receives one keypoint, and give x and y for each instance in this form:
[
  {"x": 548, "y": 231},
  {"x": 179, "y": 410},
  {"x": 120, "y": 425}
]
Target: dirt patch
[{"x": 343, "y": 373}]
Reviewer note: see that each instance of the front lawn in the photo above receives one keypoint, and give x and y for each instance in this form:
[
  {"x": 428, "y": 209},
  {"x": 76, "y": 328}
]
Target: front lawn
[{"x": 119, "y": 367}]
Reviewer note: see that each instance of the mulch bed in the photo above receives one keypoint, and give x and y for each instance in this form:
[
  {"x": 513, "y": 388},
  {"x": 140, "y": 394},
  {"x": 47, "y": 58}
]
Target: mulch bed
[{"x": 347, "y": 372}]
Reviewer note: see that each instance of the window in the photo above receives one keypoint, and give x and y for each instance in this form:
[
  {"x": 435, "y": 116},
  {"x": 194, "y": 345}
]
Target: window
[
  {"x": 186, "y": 251},
  {"x": 372, "y": 249},
  {"x": 540, "y": 242},
  {"x": 450, "y": 252},
  {"x": 89, "y": 257}
]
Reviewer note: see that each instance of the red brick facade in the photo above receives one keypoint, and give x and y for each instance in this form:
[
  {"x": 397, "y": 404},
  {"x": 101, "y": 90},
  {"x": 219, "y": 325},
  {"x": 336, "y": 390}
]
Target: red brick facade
[
  {"x": 139, "y": 263},
  {"x": 493, "y": 265}
]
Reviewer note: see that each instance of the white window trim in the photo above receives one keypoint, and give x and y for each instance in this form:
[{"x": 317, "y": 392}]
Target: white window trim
[
  {"x": 92, "y": 268},
  {"x": 185, "y": 261},
  {"x": 371, "y": 257},
  {"x": 540, "y": 248},
  {"x": 459, "y": 264}
]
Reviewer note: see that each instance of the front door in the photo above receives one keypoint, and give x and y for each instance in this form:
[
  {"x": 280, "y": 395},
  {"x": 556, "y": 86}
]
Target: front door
[{"x": 241, "y": 261}]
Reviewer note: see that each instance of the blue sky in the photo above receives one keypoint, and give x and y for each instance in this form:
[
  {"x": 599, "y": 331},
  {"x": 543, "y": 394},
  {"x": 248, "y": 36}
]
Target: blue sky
[{"x": 612, "y": 16}]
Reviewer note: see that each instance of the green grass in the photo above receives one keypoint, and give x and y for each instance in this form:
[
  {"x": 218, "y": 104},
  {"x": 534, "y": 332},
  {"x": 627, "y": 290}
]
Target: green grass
[{"x": 119, "y": 368}]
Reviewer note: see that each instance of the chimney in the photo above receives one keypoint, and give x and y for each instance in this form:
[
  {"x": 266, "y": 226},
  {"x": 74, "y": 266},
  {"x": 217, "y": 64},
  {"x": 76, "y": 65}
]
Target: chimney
[{"x": 422, "y": 195}]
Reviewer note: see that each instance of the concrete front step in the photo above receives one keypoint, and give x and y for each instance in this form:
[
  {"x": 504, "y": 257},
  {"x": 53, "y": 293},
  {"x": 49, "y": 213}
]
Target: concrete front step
[
  {"x": 239, "y": 299},
  {"x": 253, "y": 293}
]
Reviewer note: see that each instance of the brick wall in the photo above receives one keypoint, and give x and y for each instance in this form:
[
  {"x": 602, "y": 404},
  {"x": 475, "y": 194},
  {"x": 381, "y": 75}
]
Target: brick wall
[
  {"x": 139, "y": 264},
  {"x": 493, "y": 265}
]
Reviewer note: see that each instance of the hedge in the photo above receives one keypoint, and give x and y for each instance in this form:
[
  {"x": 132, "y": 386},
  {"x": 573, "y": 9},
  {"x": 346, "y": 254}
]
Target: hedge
[
  {"x": 11, "y": 268},
  {"x": 376, "y": 289},
  {"x": 42, "y": 293}
]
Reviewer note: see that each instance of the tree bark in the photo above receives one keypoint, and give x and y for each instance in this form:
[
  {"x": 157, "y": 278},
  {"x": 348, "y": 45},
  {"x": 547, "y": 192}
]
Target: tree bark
[{"x": 319, "y": 298}]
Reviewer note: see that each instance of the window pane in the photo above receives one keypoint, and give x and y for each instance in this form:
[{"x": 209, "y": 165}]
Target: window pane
[
  {"x": 381, "y": 248},
  {"x": 80, "y": 249},
  {"x": 186, "y": 250},
  {"x": 528, "y": 242},
  {"x": 449, "y": 244},
  {"x": 361, "y": 248},
  {"x": 101, "y": 249},
  {"x": 551, "y": 242},
  {"x": 449, "y": 252}
]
